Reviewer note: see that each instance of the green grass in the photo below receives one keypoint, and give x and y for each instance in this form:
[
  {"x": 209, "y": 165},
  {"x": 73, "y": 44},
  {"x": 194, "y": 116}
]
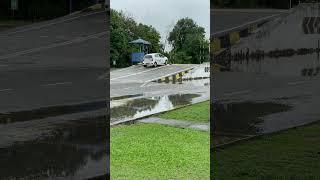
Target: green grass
[
  {"x": 152, "y": 151},
  {"x": 197, "y": 113},
  {"x": 291, "y": 154}
]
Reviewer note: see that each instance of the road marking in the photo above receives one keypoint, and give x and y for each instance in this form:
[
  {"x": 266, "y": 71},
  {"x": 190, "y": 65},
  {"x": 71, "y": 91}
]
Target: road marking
[
  {"x": 49, "y": 24},
  {"x": 237, "y": 93},
  {"x": 3, "y": 65},
  {"x": 133, "y": 74},
  {"x": 54, "y": 45},
  {"x": 3, "y": 90},
  {"x": 56, "y": 84},
  {"x": 296, "y": 82}
]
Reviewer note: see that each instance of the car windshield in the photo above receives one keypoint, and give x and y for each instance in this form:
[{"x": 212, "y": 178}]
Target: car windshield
[{"x": 148, "y": 57}]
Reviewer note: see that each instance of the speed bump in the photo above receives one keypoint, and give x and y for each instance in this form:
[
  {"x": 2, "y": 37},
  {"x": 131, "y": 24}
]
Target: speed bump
[{"x": 234, "y": 37}]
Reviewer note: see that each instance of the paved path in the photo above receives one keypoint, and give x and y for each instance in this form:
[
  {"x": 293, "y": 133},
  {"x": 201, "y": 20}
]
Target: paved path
[{"x": 178, "y": 123}]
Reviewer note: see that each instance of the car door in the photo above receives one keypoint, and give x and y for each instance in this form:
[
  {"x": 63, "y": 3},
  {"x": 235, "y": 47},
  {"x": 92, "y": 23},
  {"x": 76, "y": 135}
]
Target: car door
[
  {"x": 158, "y": 59},
  {"x": 161, "y": 58}
]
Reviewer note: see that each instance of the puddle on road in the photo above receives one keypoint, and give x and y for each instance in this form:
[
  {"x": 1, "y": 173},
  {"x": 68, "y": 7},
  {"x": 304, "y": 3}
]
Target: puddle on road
[
  {"x": 74, "y": 150},
  {"x": 11, "y": 117},
  {"x": 243, "y": 118},
  {"x": 141, "y": 107}
]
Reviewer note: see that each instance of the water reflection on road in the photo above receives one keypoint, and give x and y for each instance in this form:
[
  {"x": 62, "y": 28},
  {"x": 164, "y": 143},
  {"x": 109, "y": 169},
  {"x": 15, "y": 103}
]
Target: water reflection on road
[
  {"x": 73, "y": 150},
  {"x": 136, "y": 108}
]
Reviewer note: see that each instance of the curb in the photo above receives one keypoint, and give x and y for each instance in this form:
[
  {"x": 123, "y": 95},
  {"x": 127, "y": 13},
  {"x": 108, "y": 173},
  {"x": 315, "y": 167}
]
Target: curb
[{"x": 170, "y": 77}]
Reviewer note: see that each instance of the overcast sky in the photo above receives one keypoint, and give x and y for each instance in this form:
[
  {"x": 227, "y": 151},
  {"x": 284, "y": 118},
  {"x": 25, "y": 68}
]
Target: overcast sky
[{"x": 163, "y": 14}]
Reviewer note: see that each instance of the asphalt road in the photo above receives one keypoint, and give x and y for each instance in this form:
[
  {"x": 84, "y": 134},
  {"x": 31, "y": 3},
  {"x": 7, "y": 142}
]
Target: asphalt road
[
  {"x": 37, "y": 70},
  {"x": 224, "y": 19},
  {"x": 272, "y": 93},
  {"x": 53, "y": 103}
]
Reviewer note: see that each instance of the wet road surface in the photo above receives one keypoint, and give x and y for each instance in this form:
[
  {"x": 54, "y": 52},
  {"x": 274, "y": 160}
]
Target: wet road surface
[
  {"x": 135, "y": 95},
  {"x": 273, "y": 81},
  {"x": 224, "y": 19},
  {"x": 53, "y": 104}
]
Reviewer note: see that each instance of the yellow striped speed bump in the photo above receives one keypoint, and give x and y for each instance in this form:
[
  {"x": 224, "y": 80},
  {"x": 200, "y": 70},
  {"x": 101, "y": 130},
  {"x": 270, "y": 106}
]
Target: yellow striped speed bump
[
  {"x": 216, "y": 45},
  {"x": 172, "y": 78},
  {"x": 252, "y": 28},
  {"x": 234, "y": 38}
]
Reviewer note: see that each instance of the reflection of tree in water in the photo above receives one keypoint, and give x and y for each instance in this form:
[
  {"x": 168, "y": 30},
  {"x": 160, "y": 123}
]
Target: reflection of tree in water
[
  {"x": 61, "y": 154},
  {"x": 243, "y": 117},
  {"x": 182, "y": 99},
  {"x": 132, "y": 107}
]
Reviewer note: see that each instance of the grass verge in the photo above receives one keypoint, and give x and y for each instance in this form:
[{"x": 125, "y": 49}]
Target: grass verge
[
  {"x": 196, "y": 113},
  {"x": 152, "y": 151},
  {"x": 293, "y": 154}
]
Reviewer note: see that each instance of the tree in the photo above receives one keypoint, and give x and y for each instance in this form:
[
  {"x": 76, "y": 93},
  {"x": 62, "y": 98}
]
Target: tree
[
  {"x": 188, "y": 42},
  {"x": 124, "y": 29}
]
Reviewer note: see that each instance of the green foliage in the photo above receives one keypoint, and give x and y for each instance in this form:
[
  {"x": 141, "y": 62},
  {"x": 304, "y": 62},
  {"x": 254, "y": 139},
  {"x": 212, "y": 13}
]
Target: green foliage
[
  {"x": 189, "y": 43},
  {"x": 125, "y": 29}
]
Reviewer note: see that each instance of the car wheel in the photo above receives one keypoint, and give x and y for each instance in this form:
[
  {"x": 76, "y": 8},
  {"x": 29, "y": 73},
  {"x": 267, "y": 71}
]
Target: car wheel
[
  {"x": 155, "y": 64},
  {"x": 144, "y": 65}
]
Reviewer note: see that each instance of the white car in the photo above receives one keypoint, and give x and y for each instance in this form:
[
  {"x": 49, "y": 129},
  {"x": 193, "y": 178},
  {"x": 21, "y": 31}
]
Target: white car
[{"x": 154, "y": 59}]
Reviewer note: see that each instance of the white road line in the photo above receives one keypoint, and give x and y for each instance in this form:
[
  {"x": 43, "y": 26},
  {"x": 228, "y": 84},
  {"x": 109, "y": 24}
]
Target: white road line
[
  {"x": 3, "y": 90},
  {"x": 54, "y": 45},
  {"x": 49, "y": 24},
  {"x": 133, "y": 74},
  {"x": 56, "y": 84},
  {"x": 237, "y": 93},
  {"x": 296, "y": 82}
]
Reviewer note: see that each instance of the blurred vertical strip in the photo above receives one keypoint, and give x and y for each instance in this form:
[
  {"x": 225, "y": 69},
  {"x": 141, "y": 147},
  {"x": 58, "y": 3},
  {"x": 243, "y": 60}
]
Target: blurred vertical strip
[{"x": 107, "y": 6}]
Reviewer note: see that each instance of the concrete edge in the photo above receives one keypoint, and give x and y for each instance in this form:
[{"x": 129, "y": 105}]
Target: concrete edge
[{"x": 170, "y": 76}]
